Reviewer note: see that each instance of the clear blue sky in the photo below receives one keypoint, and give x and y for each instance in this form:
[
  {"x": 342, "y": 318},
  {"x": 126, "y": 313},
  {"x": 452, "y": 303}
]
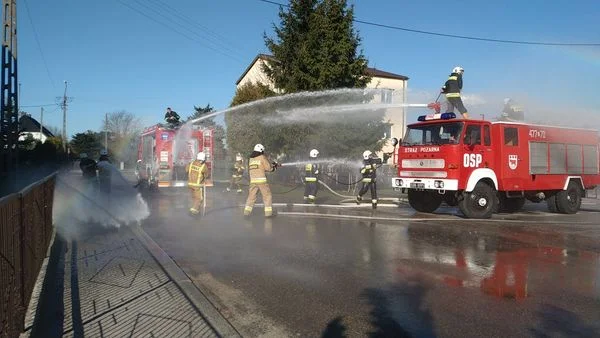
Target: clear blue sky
[{"x": 117, "y": 59}]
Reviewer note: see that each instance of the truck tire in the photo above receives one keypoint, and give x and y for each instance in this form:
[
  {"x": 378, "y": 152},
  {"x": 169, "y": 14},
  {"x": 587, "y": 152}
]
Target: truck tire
[
  {"x": 569, "y": 201},
  {"x": 479, "y": 203},
  {"x": 510, "y": 205},
  {"x": 551, "y": 201},
  {"x": 424, "y": 201}
]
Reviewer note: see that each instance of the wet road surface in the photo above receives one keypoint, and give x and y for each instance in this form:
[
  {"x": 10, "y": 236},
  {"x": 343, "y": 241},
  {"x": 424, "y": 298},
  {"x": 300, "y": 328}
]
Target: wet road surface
[{"x": 528, "y": 274}]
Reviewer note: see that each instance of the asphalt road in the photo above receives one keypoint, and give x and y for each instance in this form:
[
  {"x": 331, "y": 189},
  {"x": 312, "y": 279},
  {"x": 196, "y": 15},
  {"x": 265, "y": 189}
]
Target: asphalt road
[{"x": 352, "y": 272}]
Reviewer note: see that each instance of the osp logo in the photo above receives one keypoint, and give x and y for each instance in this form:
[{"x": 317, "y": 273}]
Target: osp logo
[
  {"x": 513, "y": 161},
  {"x": 472, "y": 160}
]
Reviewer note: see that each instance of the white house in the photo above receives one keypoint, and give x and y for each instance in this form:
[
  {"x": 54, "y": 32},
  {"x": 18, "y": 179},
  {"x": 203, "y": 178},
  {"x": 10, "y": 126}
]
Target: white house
[
  {"x": 395, "y": 85},
  {"x": 30, "y": 126}
]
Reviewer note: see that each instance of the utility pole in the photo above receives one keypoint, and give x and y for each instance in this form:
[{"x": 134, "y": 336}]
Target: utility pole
[
  {"x": 64, "y": 108},
  {"x": 9, "y": 110},
  {"x": 106, "y": 132}
]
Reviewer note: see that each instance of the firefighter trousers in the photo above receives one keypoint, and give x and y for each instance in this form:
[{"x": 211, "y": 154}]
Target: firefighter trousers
[
  {"x": 456, "y": 102},
  {"x": 265, "y": 192},
  {"x": 366, "y": 186},
  {"x": 197, "y": 199},
  {"x": 235, "y": 182},
  {"x": 310, "y": 191}
]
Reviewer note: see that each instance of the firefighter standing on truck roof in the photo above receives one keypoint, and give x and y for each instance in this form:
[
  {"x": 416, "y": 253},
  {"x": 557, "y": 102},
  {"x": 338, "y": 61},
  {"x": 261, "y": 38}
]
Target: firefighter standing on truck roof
[
  {"x": 452, "y": 89},
  {"x": 172, "y": 118},
  {"x": 311, "y": 178},
  {"x": 237, "y": 172},
  {"x": 197, "y": 172},
  {"x": 257, "y": 168},
  {"x": 369, "y": 175}
]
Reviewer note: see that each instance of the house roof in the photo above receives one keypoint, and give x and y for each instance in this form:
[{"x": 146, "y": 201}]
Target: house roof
[
  {"x": 369, "y": 71},
  {"x": 29, "y": 124}
]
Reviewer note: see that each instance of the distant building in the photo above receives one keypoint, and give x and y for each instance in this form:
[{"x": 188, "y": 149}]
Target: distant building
[
  {"x": 395, "y": 86},
  {"x": 30, "y": 126}
]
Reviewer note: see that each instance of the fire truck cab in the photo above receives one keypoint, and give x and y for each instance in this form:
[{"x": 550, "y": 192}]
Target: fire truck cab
[
  {"x": 485, "y": 167},
  {"x": 163, "y": 154}
]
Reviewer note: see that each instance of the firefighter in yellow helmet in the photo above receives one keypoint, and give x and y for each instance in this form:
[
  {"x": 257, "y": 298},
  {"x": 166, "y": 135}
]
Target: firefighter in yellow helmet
[
  {"x": 237, "y": 172},
  {"x": 257, "y": 168},
  {"x": 197, "y": 173}
]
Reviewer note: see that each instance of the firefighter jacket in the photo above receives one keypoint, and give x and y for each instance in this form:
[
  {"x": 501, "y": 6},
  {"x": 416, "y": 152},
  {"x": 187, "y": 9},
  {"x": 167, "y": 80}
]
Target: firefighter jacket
[
  {"x": 238, "y": 169},
  {"x": 453, "y": 85},
  {"x": 88, "y": 167},
  {"x": 369, "y": 172},
  {"x": 257, "y": 166},
  {"x": 311, "y": 172},
  {"x": 197, "y": 172}
]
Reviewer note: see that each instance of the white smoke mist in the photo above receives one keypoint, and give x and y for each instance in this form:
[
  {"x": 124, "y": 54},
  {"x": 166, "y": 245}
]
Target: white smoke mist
[
  {"x": 325, "y": 161},
  {"x": 79, "y": 203}
]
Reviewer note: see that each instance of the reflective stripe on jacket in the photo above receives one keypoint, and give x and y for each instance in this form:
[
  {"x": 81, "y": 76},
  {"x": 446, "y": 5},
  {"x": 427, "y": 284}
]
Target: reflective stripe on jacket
[
  {"x": 311, "y": 172},
  {"x": 257, "y": 166}
]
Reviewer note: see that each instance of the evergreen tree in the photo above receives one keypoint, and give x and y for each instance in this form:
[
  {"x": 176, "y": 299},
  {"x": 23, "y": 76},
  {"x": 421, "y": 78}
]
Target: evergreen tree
[{"x": 316, "y": 48}]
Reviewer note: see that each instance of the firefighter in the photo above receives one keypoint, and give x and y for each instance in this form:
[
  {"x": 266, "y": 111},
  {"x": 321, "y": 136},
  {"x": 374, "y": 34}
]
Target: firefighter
[
  {"x": 88, "y": 168},
  {"x": 511, "y": 111},
  {"x": 104, "y": 172},
  {"x": 452, "y": 89},
  {"x": 237, "y": 172},
  {"x": 172, "y": 118},
  {"x": 311, "y": 177},
  {"x": 197, "y": 173},
  {"x": 369, "y": 175},
  {"x": 257, "y": 168}
]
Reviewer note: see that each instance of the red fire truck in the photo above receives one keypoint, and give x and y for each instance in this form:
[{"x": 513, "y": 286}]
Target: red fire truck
[
  {"x": 163, "y": 154},
  {"x": 485, "y": 167}
]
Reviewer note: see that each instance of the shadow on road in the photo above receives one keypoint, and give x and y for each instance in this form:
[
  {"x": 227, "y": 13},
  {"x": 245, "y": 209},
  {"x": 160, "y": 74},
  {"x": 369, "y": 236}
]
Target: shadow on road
[
  {"x": 334, "y": 329},
  {"x": 555, "y": 321}
]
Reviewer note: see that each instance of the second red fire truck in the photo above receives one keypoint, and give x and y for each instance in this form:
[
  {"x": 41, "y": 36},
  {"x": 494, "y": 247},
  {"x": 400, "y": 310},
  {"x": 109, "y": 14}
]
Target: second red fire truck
[{"x": 484, "y": 167}]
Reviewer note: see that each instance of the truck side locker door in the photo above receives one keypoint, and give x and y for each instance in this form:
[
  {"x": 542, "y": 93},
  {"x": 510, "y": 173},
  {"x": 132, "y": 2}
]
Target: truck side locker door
[{"x": 514, "y": 158}]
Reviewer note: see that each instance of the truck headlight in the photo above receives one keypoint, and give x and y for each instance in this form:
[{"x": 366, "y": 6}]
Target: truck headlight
[
  {"x": 399, "y": 182},
  {"x": 438, "y": 184}
]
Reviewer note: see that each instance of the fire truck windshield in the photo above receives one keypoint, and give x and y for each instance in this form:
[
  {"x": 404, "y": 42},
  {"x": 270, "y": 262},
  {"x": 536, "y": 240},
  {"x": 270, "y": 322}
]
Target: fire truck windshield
[{"x": 436, "y": 134}]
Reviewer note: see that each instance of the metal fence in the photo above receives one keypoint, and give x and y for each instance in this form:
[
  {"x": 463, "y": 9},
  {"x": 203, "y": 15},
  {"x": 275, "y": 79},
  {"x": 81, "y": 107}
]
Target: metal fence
[{"x": 25, "y": 234}]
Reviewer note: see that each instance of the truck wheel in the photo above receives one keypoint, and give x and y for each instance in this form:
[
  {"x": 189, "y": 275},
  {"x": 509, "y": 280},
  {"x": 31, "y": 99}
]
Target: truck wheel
[
  {"x": 569, "y": 201},
  {"x": 424, "y": 201},
  {"x": 551, "y": 201},
  {"x": 479, "y": 203},
  {"x": 511, "y": 205}
]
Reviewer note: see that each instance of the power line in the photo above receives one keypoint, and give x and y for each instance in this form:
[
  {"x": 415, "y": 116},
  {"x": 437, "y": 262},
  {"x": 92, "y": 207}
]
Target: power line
[
  {"x": 464, "y": 37},
  {"x": 39, "y": 105},
  {"x": 39, "y": 45},
  {"x": 172, "y": 28},
  {"x": 215, "y": 37}
]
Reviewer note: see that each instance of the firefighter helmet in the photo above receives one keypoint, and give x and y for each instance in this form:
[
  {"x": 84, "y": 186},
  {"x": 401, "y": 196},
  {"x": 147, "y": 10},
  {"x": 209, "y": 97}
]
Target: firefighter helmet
[
  {"x": 83, "y": 155},
  {"x": 458, "y": 69},
  {"x": 259, "y": 147},
  {"x": 238, "y": 157},
  {"x": 366, "y": 154},
  {"x": 314, "y": 153},
  {"x": 103, "y": 152},
  {"x": 201, "y": 156}
]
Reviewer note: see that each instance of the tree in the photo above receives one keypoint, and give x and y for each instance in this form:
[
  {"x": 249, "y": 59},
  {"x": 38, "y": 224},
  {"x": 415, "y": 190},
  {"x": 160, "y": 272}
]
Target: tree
[
  {"x": 124, "y": 129},
  {"x": 243, "y": 129},
  {"x": 88, "y": 142},
  {"x": 316, "y": 48}
]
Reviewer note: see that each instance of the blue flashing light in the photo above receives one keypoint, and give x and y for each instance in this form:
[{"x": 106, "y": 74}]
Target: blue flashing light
[
  {"x": 448, "y": 116},
  {"x": 444, "y": 116}
]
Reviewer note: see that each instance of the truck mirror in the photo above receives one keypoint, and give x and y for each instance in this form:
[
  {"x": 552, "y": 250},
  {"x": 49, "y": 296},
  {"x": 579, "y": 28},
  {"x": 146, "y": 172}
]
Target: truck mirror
[{"x": 394, "y": 141}]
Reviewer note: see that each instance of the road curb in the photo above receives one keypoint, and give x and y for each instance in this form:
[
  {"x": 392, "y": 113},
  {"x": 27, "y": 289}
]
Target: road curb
[{"x": 186, "y": 285}]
